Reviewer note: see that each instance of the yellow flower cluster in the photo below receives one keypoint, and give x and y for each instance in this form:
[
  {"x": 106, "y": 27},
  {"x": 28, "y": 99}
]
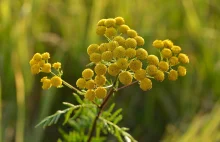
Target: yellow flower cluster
[{"x": 39, "y": 63}]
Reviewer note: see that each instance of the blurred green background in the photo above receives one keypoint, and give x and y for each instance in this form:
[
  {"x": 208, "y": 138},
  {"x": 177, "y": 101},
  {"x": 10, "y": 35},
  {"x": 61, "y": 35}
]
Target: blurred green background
[{"x": 184, "y": 110}]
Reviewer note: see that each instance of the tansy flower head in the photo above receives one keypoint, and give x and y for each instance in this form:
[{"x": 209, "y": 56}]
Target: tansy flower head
[
  {"x": 139, "y": 40},
  {"x": 176, "y": 49},
  {"x": 120, "y": 40},
  {"x": 183, "y": 58},
  {"x": 87, "y": 73},
  {"x": 110, "y": 32},
  {"x": 153, "y": 60},
  {"x": 173, "y": 61},
  {"x": 113, "y": 69},
  {"x": 46, "y": 56},
  {"x": 103, "y": 47},
  {"x": 119, "y": 52},
  {"x": 100, "y": 30},
  {"x": 122, "y": 63},
  {"x": 140, "y": 74},
  {"x": 131, "y": 33},
  {"x": 119, "y": 20},
  {"x": 107, "y": 56},
  {"x": 123, "y": 29},
  {"x": 32, "y": 62},
  {"x": 57, "y": 65},
  {"x": 125, "y": 77},
  {"x": 164, "y": 66},
  {"x": 168, "y": 43},
  {"x": 110, "y": 22},
  {"x": 56, "y": 81},
  {"x": 46, "y": 68},
  {"x": 46, "y": 84},
  {"x": 146, "y": 84},
  {"x": 101, "y": 22},
  {"x": 41, "y": 63},
  {"x": 81, "y": 83},
  {"x": 159, "y": 76},
  {"x": 90, "y": 84},
  {"x": 130, "y": 43},
  {"x": 130, "y": 53},
  {"x": 173, "y": 75},
  {"x": 100, "y": 80},
  {"x": 100, "y": 69},
  {"x": 166, "y": 53},
  {"x": 112, "y": 45},
  {"x": 35, "y": 69},
  {"x": 37, "y": 57},
  {"x": 93, "y": 48},
  {"x": 141, "y": 53},
  {"x": 135, "y": 65},
  {"x": 100, "y": 92},
  {"x": 151, "y": 70},
  {"x": 95, "y": 57},
  {"x": 90, "y": 95},
  {"x": 181, "y": 71},
  {"x": 158, "y": 44}
]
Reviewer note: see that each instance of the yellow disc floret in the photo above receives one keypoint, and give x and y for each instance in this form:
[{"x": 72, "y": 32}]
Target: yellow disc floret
[
  {"x": 158, "y": 44},
  {"x": 46, "y": 84},
  {"x": 103, "y": 47},
  {"x": 176, "y": 49},
  {"x": 57, "y": 65},
  {"x": 93, "y": 48},
  {"x": 56, "y": 81},
  {"x": 100, "y": 92},
  {"x": 135, "y": 65},
  {"x": 90, "y": 84},
  {"x": 95, "y": 57},
  {"x": 173, "y": 75},
  {"x": 125, "y": 77},
  {"x": 101, "y": 22},
  {"x": 87, "y": 73},
  {"x": 100, "y": 69},
  {"x": 168, "y": 43},
  {"x": 151, "y": 70},
  {"x": 119, "y": 20},
  {"x": 46, "y": 68},
  {"x": 46, "y": 56},
  {"x": 110, "y": 32},
  {"x": 146, "y": 84},
  {"x": 159, "y": 76},
  {"x": 113, "y": 70},
  {"x": 164, "y": 66},
  {"x": 110, "y": 22},
  {"x": 183, "y": 58},
  {"x": 119, "y": 52},
  {"x": 112, "y": 45},
  {"x": 166, "y": 53},
  {"x": 100, "y": 80},
  {"x": 35, "y": 69},
  {"x": 122, "y": 63},
  {"x": 81, "y": 83},
  {"x": 173, "y": 61},
  {"x": 181, "y": 71},
  {"x": 123, "y": 29},
  {"x": 140, "y": 74},
  {"x": 130, "y": 43},
  {"x": 107, "y": 56},
  {"x": 120, "y": 40},
  {"x": 131, "y": 33},
  {"x": 90, "y": 94},
  {"x": 153, "y": 60},
  {"x": 139, "y": 40},
  {"x": 141, "y": 54},
  {"x": 100, "y": 30},
  {"x": 130, "y": 53},
  {"x": 37, "y": 57}
]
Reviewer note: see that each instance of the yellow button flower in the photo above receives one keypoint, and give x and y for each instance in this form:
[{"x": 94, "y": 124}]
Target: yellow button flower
[
  {"x": 93, "y": 48},
  {"x": 57, "y": 65},
  {"x": 146, "y": 84},
  {"x": 101, "y": 22},
  {"x": 103, "y": 47},
  {"x": 81, "y": 83},
  {"x": 107, "y": 56},
  {"x": 35, "y": 69},
  {"x": 164, "y": 66},
  {"x": 46, "y": 68},
  {"x": 46, "y": 84},
  {"x": 120, "y": 40},
  {"x": 166, "y": 53},
  {"x": 173, "y": 61},
  {"x": 168, "y": 43},
  {"x": 110, "y": 32},
  {"x": 140, "y": 40},
  {"x": 183, "y": 58},
  {"x": 37, "y": 57},
  {"x": 56, "y": 81},
  {"x": 130, "y": 43},
  {"x": 141, "y": 53},
  {"x": 90, "y": 95},
  {"x": 112, "y": 45},
  {"x": 131, "y": 33},
  {"x": 153, "y": 60},
  {"x": 100, "y": 80},
  {"x": 159, "y": 76},
  {"x": 100, "y": 69},
  {"x": 100, "y": 92},
  {"x": 46, "y": 56},
  {"x": 87, "y": 73},
  {"x": 130, "y": 53},
  {"x": 113, "y": 69},
  {"x": 135, "y": 65},
  {"x": 119, "y": 52},
  {"x": 181, "y": 71},
  {"x": 140, "y": 74},
  {"x": 119, "y": 20},
  {"x": 95, "y": 57},
  {"x": 151, "y": 70},
  {"x": 125, "y": 77},
  {"x": 123, "y": 29},
  {"x": 173, "y": 75},
  {"x": 100, "y": 30},
  {"x": 90, "y": 84},
  {"x": 158, "y": 44},
  {"x": 176, "y": 49},
  {"x": 110, "y": 22},
  {"x": 122, "y": 63}
]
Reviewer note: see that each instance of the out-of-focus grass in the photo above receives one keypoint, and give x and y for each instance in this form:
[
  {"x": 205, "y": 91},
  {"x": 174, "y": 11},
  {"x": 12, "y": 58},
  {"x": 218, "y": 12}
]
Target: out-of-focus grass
[{"x": 66, "y": 28}]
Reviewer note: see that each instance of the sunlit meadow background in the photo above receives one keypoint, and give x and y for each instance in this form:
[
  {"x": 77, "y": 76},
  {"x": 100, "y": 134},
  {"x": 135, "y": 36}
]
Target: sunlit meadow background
[{"x": 184, "y": 110}]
